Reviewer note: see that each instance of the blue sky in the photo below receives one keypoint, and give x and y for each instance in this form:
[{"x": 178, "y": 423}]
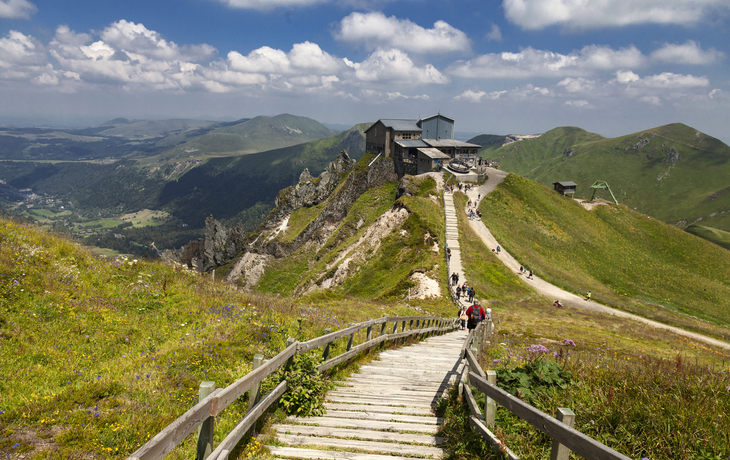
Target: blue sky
[{"x": 509, "y": 66}]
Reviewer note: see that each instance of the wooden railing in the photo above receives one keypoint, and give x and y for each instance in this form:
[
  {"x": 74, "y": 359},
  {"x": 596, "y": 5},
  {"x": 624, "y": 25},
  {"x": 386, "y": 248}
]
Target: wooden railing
[
  {"x": 203, "y": 414},
  {"x": 560, "y": 429}
]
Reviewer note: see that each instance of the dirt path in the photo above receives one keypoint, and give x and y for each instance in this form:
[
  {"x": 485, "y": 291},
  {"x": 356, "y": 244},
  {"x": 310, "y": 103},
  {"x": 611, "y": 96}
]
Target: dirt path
[{"x": 543, "y": 287}]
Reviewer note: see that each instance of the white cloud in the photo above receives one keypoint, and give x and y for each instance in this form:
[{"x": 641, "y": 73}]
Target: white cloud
[
  {"x": 687, "y": 53},
  {"x": 653, "y": 100},
  {"x": 20, "y": 49},
  {"x": 13, "y": 9},
  {"x": 392, "y": 65},
  {"x": 530, "y": 62},
  {"x": 673, "y": 80},
  {"x": 478, "y": 96},
  {"x": 582, "y": 14},
  {"x": 626, "y": 76},
  {"x": 265, "y": 5},
  {"x": 495, "y": 34},
  {"x": 578, "y": 104},
  {"x": 261, "y": 60},
  {"x": 398, "y": 95},
  {"x": 520, "y": 93},
  {"x": 375, "y": 30},
  {"x": 665, "y": 80},
  {"x": 128, "y": 36},
  {"x": 309, "y": 56},
  {"x": 577, "y": 85}
]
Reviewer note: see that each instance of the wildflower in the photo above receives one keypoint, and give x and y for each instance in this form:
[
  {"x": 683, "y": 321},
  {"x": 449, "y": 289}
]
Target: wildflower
[
  {"x": 568, "y": 342},
  {"x": 496, "y": 361},
  {"x": 537, "y": 349}
]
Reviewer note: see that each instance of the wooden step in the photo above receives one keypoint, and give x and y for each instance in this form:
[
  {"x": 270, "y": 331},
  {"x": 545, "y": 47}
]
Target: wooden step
[
  {"x": 371, "y": 435},
  {"x": 371, "y": 446},
  {"x": 367, "y": 424},
  {"x": 312, "y": 454}
]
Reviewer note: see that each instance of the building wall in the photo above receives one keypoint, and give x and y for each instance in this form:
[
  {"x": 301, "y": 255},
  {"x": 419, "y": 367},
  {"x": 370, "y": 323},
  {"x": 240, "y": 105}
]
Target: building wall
[
  {"x": 377, "y": 139},
  {"x": 437, "y": 128}
]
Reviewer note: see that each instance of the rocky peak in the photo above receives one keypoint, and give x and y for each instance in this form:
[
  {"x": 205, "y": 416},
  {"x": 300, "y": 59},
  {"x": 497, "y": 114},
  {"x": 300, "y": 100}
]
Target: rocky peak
[{"x": 305, "y": 176}]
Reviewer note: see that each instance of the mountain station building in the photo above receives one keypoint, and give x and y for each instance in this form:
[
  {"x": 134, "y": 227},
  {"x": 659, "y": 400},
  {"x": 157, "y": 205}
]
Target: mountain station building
[{"x": 419, "y": 146}]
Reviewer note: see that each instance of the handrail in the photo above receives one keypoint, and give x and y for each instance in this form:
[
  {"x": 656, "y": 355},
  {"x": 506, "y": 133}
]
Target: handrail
[
  {"x": 583, "y": 445},
  {"x": 211, "y": 406},
  {"x": 564, "y": 436}
]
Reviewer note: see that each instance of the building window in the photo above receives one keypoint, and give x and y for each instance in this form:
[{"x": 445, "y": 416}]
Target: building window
[{"x": 406, "y": 135}]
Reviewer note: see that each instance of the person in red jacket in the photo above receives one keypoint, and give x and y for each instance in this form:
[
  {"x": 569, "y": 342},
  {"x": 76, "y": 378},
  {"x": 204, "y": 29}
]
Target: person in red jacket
[{"x": 475, "y": 313}]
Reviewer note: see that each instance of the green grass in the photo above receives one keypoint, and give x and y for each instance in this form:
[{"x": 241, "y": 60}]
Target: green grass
[
  {"x": 642, "y": 391},
  {"x": 493, "y": 282},
  {"x": 626, "y": 259},
  {"x": 98, "y": 355},
  {"x": 715, "y": 235},
  {"x": 636, "y": 167}
]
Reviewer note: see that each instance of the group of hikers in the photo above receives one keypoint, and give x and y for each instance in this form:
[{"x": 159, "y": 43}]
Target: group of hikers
[
  {"x": 472, "y": 316},
  {"x": 462, "y": 187}
]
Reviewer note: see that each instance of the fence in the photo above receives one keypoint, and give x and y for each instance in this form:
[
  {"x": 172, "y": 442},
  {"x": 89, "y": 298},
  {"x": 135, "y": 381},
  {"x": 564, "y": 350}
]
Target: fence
[
  {"x": 214, "y": 401},
  {"x": 560, "y": 429}
]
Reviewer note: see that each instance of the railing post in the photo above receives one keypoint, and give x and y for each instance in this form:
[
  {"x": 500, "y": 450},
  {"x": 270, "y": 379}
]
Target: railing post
[
  {"x": 369, "y": 333},
  {"x": 207, "y": 429},
  {"x": 559, "y": 451},
  {"x": 490, "y": 405},
  {"x": 253, "y": 395},
  {"x": 349, "y": 341},
  {"x": 410, "y": 326},
  {"x": 290, "y": 361},
  {"x": 395, "y": 326},
  {"x": 326, "y": 350},
  {"x": 383, "y": 327}
]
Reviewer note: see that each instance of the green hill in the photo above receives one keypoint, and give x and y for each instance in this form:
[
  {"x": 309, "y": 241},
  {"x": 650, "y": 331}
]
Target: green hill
[
  {"x": 251, "y": 136},
  {"x": 673, "y": 173},
  {"x": 624, "y": 258},
  {"x": 233, "y": 189}
]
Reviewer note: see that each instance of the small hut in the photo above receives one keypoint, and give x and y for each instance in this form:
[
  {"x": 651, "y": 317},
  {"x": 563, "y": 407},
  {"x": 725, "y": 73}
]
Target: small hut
[{"x": 565, "y": 187}]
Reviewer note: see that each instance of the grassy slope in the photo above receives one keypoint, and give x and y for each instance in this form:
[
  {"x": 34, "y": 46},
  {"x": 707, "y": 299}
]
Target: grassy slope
[
  {"x": 715, "y": 235},
  {"x": 626, "y": 259},
  {"x": 692, "y": 188},
  {"x": 96, "y": 356},
  {"x": 386, "y": 274},
  {"x": 493, "y": 282}
]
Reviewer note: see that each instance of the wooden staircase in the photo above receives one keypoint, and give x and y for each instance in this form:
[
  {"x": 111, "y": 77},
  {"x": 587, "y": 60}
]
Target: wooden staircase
[{"x": 383, "y": 412}]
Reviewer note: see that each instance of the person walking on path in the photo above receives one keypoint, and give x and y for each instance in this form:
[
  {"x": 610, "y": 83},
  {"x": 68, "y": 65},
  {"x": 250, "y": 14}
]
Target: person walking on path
[
  {"x": 458, "y": 292},
  {"x": 475, "y": 313},
  {"x": 530, "y": 275},
  {"x": 454, "y": 278},
  {"x": 463, "y": 317},
  {"x": 471, "y": 294},
  {"x": 448, "y": 254},
  {"x": 588, "y": 296}
]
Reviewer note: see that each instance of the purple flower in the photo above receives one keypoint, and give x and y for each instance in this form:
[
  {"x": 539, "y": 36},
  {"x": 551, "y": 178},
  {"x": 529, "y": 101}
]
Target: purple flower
[
  {"x": 568, "y": 342},
  {"x": 496, "y": 361},
  {"x": 537, "y": 349}
]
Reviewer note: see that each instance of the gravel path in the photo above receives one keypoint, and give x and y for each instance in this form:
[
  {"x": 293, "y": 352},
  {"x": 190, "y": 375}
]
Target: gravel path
[{"x": 543, "y": 287}]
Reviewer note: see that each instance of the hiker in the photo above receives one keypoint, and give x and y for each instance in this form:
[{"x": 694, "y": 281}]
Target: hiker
[
  {"x": 557, "y": 304},
  {"x": 530, "y": 276},
  {"x": 479, "y": 197},
  {"x": 448, "y": 254},
  {"x": 522, "y": 269},
  {"x": 588, "y": 296},
  {"x": 458, "y": 292},
  {"x": 475, "y": 313},
  {"x": 463, "y": 317},
  {"x": 472, "y": 293},
  {"x": 499, "y": 249},
  {"x": 454, "y": 278}
]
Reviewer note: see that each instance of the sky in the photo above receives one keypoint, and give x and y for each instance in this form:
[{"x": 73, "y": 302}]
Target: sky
[{"x": 612, "y": 67}]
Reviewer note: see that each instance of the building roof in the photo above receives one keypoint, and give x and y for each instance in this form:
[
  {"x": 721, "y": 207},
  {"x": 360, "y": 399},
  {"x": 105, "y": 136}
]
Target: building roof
[
  {"x": 566, "y": 183},
  {"x": 398, "y": 124},
  {"x": 409, "y": 143},
  {"x": 437, "y": 115},
  {"x": 434, "y": 154},
  {"x": 450, "y": 143}
]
